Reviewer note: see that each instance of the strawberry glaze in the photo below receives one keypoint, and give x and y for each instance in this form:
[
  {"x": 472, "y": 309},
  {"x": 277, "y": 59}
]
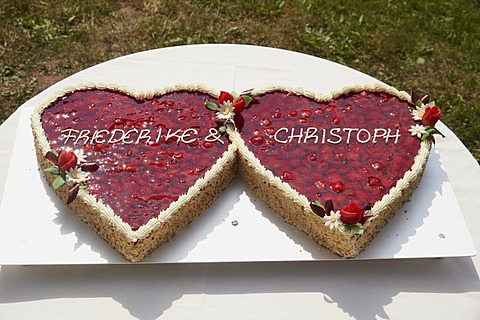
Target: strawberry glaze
[
  {"x": 138, "y": 180},
  {"x": 343, "y": 172}
]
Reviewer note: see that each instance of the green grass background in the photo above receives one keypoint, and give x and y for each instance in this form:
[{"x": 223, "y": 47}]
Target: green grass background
[{"x": 427, "y": 46}]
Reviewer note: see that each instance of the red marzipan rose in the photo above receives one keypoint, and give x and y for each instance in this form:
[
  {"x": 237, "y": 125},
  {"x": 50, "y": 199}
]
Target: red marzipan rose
[
  {"x": 238, "y": 105},
  {"x": 431, "y": 116},
  {"x": 351, "y": 214},
  {"x": 224, "y": 96},
  {"x": 66, "y": 160}
]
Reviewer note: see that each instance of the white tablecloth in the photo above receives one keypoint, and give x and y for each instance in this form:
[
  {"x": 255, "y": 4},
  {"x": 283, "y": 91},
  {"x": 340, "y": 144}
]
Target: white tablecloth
[{"x": 445, "y": 288}]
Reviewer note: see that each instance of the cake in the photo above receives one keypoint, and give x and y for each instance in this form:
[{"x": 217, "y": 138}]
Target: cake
[
  {"x": 336, "y": 166},
  {"x": 139, "y": 166},
  {"x": 135, "y": 166}
]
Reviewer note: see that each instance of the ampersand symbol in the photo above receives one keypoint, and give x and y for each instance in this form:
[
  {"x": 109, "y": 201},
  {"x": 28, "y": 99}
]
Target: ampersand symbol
[{"x": 214, "y": 135}]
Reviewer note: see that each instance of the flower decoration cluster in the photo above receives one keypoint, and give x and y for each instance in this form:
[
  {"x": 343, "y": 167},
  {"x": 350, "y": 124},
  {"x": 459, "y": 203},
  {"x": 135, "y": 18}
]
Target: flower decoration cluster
[
  {"x": 228, "y": 108},
  {"x": 70, "y": 169},
  {"x": 350, "y": 219},
  {"x": 427, "y": 113}
]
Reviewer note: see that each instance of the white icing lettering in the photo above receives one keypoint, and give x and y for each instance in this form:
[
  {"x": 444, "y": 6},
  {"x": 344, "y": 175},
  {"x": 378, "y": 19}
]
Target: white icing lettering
[
  {"x": 127, "y": 136},
  {"x": 98, "y": 136},
  {"x": 214, "y": 135},
  {"x": 69, "y": 135},
  {"x": 323, "y": 135},
  {"x": 83, "y": 135},
  {"x": 293, "y": 135},
  {"x": 159, "y": 135},
  {"x": 349, "y": 131},
  {"x": 311, "y": 133},
  {"x": 333, "y": 132},
  {"x": 396, "y": 136},
  {"x": 359, "y": 135},
  {"x": 136, "y": 136},
  {"x": 276, "y": 137},
  {"x": 379, "y": 133},
  {"x": 113, "y": 133},
  {"x": 174, "y": 134},
  {"x": 187, "y": 134},
  {"x": 144, "y": 134},
  {"x": 334, "y": 135}
]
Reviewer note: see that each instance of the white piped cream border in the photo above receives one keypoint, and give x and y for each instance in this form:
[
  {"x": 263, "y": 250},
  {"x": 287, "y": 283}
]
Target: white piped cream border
[
  {"x": 98, "y": 206},
  {"x": 237, "y": 142},
  {"x": 395, "y": 192}
]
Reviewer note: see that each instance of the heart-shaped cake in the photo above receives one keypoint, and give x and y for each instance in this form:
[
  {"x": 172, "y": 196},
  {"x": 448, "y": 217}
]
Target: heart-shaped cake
[
  {"x": 338, "y": 167},
  {"x": 135, "y": 166},
  {"x": 139, "y": 166}
]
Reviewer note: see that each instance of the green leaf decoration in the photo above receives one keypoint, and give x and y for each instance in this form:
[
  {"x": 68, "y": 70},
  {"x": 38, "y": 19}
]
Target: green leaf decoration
[
  {"x": 430, "y": 130},
  {"x": 353, "y": 228},
  {"x": 82, "y": 186},
  {"x": 54, "y": 152},
  {"x": 223, "y": 129},
  {"x": 211, "y": 106},
  {"x": 247, "y": 99},
  {"x": 318, "y": 204},
  {"x": 235, "y": 96},
  {"x": 59, "y": 182},
  {"x": 53, "y": 170},
  {"x": 357, "y": 229}
]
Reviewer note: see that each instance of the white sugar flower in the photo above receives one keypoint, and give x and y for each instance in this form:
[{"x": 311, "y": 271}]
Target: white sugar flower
[
  {"x": 76, "y": 175},
  {"x": 417, "y": 114},
  {"x": 81, "y": 156},
  {"x": 333, "y": 220},
  {"x": 225, "y": 111},
  {"x": 417, "y": 130}
]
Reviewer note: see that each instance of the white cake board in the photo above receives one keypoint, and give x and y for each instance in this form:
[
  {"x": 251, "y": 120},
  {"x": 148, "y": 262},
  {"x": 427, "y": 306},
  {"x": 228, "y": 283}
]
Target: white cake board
[{"x": 38, "y": 229}]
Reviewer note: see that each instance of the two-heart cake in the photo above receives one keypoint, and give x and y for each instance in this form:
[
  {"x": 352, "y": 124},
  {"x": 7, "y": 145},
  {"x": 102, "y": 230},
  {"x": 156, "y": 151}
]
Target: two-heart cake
[{"x": 139, "y": 166}]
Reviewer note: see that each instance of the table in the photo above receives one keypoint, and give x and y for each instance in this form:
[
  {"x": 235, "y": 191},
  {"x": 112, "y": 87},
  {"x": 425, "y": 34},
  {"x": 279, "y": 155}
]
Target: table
[{"x": 372, "y": 289}]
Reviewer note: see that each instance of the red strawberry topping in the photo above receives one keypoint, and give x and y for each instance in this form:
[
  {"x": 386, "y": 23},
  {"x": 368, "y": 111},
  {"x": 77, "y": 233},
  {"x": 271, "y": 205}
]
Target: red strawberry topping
[
  {"x": 137, "y": 180},
  {"x": 343, "y": 144}
]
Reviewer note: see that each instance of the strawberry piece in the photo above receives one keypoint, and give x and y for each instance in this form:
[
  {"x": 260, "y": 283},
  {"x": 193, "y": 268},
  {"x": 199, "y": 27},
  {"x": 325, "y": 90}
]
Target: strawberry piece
[
  {"x": 373, "y": 181},
  {"x": 337, "y": 186}
]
